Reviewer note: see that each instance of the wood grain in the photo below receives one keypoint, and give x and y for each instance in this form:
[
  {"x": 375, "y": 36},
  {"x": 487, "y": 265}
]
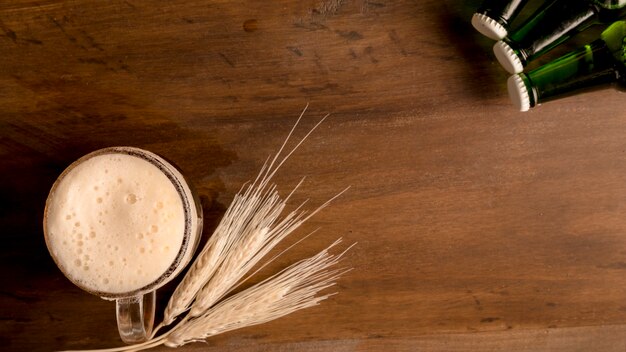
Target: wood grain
[{"x": 478, "y": 227}]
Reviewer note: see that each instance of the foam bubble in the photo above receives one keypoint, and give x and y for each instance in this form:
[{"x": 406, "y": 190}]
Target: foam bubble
[{"x": 131, "y": 198}]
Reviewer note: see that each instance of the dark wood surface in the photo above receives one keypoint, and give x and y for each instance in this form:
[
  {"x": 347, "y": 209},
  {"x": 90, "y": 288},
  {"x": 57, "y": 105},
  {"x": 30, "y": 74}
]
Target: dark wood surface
[{"x": 478, "y": 227}]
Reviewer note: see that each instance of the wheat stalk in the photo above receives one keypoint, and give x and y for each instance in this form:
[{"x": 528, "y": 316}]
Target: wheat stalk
[
  {"x": 241, "y": 239},
  {"x": 219, "y": 245}
]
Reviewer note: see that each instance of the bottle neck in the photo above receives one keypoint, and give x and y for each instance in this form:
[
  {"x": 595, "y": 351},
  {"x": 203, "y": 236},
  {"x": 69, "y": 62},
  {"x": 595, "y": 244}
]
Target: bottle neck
[
  {"x": 551, "y": 25},
  {"x": 587, "y": 68},
  {"x": 502, "y": 12}
]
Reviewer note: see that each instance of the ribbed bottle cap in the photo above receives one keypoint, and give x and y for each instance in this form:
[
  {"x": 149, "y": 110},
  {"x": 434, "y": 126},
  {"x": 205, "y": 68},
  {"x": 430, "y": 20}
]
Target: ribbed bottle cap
[
  {"x": 507, "y": 57},
  {"x": 488, "y": 27},
  {"x": 518, "y": 92}
]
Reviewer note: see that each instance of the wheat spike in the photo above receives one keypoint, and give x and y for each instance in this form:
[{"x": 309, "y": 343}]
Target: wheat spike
[
  {"x": 242, "y": 238},
  {"x": 225, "y": 235},
  {"x": 212, "y": 255}
]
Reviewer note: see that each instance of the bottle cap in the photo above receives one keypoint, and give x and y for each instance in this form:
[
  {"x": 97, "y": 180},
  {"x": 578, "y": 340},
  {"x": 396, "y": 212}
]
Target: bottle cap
[
  {"x": 507, "y": 57},
  {"x": 518, "y": 92},
  {"x": 488, "y": 27}
]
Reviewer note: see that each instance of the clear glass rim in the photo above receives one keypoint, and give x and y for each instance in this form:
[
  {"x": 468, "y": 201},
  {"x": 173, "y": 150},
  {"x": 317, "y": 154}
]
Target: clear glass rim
[{"x": 178, "y": 183}]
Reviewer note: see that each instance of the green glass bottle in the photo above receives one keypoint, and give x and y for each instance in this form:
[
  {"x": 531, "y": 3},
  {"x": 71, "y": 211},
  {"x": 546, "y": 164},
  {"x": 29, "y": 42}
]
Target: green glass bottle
[
  {"x": 551, "y": 25},
  {"x": 494, "y": 17},
  {"x": 599, "y": 64}
]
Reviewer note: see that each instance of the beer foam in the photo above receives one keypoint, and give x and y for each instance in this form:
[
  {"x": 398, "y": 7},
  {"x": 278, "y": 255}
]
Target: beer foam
[{"x": 115, "y": 223}]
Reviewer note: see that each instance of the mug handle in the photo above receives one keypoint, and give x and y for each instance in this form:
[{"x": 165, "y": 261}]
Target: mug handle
[{"x": 135, "y": 317}]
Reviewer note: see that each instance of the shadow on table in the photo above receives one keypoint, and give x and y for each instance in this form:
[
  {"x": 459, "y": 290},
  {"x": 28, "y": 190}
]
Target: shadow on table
[
  {"x": 35, "y": 296},
  {"x": 485, "y": 78}
]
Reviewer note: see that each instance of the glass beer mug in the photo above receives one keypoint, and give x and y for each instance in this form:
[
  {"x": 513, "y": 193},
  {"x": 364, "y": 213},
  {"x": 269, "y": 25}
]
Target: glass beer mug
[{"x": 121, "y": 222}]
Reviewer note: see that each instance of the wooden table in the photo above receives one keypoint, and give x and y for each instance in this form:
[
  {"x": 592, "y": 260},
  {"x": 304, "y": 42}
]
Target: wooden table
[{"x": 478, "y": 227}]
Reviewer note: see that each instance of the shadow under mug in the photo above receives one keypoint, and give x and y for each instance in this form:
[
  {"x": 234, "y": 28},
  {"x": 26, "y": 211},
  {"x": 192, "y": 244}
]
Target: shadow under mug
[{"x": 135, "y": 309}]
